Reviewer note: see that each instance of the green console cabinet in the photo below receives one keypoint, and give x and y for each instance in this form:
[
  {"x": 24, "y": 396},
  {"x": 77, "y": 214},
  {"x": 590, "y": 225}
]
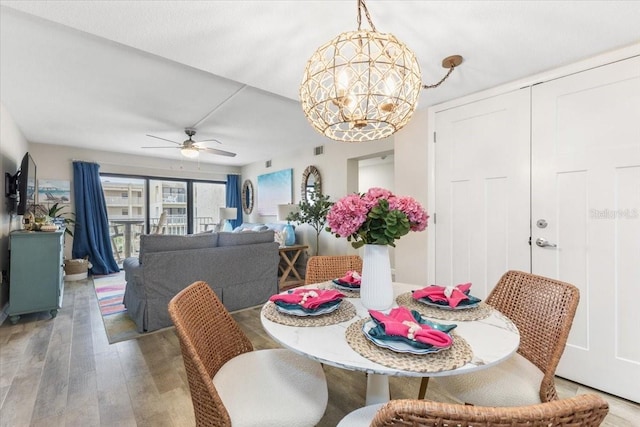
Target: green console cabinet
[{"x": 36, "y": 273}]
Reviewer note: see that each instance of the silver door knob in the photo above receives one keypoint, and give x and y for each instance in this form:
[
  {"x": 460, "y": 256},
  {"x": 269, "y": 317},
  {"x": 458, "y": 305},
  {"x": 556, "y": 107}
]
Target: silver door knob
[{"x": 543, "y": 243}]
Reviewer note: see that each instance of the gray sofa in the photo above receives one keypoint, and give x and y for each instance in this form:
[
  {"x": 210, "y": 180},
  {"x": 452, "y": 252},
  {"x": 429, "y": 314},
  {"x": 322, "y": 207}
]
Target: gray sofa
[{"x": 241, "y": 268}]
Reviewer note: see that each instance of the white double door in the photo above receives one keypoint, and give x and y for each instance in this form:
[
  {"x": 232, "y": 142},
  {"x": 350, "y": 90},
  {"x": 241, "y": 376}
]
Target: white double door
[{"x": 557, "y": 163}]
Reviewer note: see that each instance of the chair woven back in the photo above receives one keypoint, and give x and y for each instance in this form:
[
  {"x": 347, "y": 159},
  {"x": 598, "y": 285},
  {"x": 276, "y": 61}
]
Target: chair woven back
[
  {"x": 209, "y": 337},
  {"x": 587, "y": 410},
  {"x": 543, "y": 310},
  {"x": 321, "y": 268}
]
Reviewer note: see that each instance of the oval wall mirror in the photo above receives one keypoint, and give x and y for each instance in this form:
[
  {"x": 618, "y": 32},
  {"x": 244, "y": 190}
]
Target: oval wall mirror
[
  {"x": 310, "y": 181},
  {"x": 247, "y": 197}
]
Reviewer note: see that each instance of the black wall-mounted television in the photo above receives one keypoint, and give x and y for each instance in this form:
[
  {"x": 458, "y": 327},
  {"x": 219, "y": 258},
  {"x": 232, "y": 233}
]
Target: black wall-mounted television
[{"x": 22, "y": 185}]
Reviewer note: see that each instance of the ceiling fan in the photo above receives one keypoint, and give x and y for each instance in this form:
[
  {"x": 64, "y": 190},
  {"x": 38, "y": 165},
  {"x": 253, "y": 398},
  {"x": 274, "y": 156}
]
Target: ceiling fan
[{"x": 190, "y": 148}]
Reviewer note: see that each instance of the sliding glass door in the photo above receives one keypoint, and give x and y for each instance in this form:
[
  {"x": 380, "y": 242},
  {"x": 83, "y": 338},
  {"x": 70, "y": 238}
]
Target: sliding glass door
[
  {"x": 126, "y": 209},
  {"x": 170, "y": 197},
  {"x": 208, "y": 198},
  {"x": 135, "y": 204}
]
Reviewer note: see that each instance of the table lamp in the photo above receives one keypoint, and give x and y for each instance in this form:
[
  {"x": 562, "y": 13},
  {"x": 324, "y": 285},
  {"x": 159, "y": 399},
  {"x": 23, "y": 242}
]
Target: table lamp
[
  {"x": 225, "y": 215},
  {"x": 289, "y": 233}
]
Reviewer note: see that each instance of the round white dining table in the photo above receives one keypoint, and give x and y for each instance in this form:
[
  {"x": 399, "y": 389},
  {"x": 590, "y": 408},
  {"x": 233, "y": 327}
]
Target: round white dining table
[{"x": 492, "y": 340}]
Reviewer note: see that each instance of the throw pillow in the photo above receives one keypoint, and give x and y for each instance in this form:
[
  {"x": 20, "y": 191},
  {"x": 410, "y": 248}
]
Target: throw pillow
[{"x": 278, "y": 236}]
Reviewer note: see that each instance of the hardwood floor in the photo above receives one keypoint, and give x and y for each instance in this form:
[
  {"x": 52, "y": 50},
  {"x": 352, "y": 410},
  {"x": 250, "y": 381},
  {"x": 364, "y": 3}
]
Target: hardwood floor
[{"x": 63, "y": 372}]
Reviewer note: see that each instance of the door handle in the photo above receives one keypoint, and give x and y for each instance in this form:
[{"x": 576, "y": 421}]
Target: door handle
[{"x": 543, "y": 243}]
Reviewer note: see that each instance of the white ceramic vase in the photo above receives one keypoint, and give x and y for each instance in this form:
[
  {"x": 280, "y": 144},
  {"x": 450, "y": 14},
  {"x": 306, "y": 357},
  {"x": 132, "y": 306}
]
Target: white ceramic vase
[{"x": 376, "y": 290}]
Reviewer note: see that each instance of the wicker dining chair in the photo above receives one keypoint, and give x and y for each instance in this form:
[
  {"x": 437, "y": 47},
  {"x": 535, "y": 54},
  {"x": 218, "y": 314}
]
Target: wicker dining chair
[
  {"x": 230, "y": 383},
  {"x": 585, "y": 410},
  {"x": 543, "y": 310},
  {"x": 321, "y": 268}
]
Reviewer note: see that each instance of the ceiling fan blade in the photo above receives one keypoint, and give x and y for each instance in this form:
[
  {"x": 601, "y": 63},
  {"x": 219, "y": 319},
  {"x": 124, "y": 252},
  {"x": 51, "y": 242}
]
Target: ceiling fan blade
[
  {"x": 160, "y": 147},
  {"x": 218, "y": 152},
  {"x": 164, "y": 139},
  {"x": 210, "y": 140}
]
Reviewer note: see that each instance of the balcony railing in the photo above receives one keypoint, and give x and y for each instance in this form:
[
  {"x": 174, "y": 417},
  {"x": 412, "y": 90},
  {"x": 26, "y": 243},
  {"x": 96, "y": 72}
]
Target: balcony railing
[
  {"x": 124, "y": 201},
  {"x": 122, "y": 233},
  {"x": 174, "y": 198}
]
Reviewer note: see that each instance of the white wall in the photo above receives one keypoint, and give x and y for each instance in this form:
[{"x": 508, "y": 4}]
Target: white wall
[
  {"x": 337, "y": 166},
  {"x": 13, "y": 146},
  {"x": 411, "y": 179},
  {"x": 376, "y": 173}
]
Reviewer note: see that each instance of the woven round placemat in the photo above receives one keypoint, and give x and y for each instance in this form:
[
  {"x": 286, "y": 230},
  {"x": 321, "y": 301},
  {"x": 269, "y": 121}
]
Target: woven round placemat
[
  {"x": 345, "y": 311},
  {"x": 481, "y": 312},
  {"x": 458, "y": 355}
]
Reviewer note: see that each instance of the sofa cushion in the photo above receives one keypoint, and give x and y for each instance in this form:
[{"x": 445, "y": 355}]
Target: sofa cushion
[
  {"x": 235, "y": 239},
  {"x": 161, "y": 242}
]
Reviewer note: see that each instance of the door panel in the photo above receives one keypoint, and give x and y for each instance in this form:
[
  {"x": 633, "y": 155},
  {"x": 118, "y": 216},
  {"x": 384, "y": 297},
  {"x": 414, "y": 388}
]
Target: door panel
[
  {"x": 586, "y": 184},
  {"x": 482, "y": 191}
]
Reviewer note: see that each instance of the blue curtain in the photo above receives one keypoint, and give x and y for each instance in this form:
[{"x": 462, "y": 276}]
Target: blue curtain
[
  {"x": 233, "y": 198},
  {"x": 91, "y": 231}
]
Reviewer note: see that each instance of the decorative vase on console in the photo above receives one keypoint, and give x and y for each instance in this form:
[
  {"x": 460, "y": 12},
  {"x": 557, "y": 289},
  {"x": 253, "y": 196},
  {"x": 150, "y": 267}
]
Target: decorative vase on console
[
  {"x": 289, "y": 233},
  {"x": 375, "y": 220}
]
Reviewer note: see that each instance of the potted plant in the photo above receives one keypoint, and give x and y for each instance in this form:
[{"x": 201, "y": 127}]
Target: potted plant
[
  {"x": 313, "y": 211},
  {"x": 61, "y": 218}
]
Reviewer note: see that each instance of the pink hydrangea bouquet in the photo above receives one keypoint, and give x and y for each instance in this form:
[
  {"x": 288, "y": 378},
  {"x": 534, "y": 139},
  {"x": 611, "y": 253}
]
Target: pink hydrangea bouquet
[{"x": 377, "y": 217}]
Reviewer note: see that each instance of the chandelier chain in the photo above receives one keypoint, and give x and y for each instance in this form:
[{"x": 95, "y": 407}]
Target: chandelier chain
[
  {"x": 442, "y": 80},
  {"x": 361, "y": 7}
]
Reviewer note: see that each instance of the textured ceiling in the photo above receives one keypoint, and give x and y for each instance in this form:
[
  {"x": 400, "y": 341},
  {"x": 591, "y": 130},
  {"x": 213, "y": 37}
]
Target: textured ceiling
[{"x": 103, "y": 74}]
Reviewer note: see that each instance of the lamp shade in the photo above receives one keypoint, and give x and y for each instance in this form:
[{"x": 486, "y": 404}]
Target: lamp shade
[
  {"x": 228, "y": 213},
  {"x": 285, "y": 210}
]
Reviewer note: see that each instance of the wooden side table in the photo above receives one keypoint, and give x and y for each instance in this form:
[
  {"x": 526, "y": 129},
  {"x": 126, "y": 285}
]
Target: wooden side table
[{"x": 288, "y": 257}]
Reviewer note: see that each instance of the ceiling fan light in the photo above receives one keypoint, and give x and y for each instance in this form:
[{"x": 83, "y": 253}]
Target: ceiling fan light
[{"x": 190, "y": 152}]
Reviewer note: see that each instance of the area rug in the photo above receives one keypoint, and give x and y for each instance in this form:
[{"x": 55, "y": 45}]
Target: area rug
[{"x": 110, "y": 293}]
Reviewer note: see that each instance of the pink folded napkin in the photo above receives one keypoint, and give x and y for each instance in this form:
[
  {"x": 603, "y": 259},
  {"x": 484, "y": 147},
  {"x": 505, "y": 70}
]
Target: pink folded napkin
[
  {"x": 352, "y": 277},
  {"x": 450, "y": 294},
  {"x": 400, "y": 322},
  {"x": 308, "y": 298}
]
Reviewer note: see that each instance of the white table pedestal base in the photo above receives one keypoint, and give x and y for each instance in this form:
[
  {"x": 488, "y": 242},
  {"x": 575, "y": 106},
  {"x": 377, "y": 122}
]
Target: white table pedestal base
[{"x": 377, "y": 389}]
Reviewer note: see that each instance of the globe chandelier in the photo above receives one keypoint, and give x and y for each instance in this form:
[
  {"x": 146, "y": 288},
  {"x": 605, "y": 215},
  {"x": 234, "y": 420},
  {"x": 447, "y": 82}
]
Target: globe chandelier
[{"x": 363, "y": 85}]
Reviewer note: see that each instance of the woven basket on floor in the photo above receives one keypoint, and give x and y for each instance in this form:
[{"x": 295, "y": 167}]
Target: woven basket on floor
[{"x": 76, "y": 269}]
